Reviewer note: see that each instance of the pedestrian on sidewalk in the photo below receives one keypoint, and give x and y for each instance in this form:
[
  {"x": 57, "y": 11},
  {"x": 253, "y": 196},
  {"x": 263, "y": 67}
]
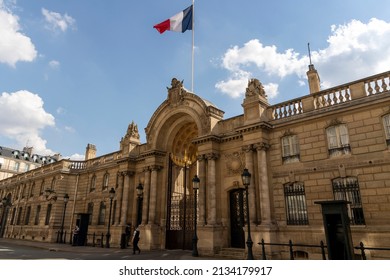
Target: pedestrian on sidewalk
[{"x": 135, "y": 239}]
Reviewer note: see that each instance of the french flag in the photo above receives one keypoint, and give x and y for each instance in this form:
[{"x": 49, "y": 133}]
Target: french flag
[{"x": 179, "y": 22}]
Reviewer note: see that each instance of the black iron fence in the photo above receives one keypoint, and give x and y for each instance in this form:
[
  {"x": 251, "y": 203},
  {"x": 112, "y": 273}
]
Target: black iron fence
[
  {"x": 323, "y": 248},
  {"x": 291, "y": 247},
  {"x": 363, "y": 250},
  {"x": 93, "y": 239}
]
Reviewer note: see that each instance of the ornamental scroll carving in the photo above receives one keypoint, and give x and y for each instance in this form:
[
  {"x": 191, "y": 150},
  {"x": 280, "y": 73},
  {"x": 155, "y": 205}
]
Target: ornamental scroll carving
[{"x": 235, "y": 162}]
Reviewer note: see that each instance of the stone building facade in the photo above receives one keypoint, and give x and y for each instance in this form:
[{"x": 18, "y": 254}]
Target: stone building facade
[{"x": 331, "y": 144}]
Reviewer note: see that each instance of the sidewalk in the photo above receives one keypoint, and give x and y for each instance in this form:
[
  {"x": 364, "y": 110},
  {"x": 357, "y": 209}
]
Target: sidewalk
[{"x": 58, "y": 247}]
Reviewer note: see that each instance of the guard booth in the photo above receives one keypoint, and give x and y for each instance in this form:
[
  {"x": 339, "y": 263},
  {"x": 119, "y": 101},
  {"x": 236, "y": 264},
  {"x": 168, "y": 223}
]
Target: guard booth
[
  {"x": 82, "y": 221},
  {"x": 337, "y": 229}
]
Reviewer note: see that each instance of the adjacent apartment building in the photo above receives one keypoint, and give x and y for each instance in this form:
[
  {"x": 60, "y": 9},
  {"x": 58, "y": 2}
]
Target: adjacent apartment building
[{"x": 329, "y": 145}]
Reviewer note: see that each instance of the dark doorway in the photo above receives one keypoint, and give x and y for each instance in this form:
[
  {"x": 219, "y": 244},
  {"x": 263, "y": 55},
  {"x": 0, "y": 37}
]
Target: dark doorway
[{"x": 237, "y": 218}]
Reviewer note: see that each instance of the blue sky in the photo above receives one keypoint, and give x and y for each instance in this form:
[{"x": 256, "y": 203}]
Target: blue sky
[{"x": 78, "y": 72}]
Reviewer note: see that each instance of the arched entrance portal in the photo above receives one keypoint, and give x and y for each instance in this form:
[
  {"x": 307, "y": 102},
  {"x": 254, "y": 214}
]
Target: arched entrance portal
[{"x": 182, "y": 168}]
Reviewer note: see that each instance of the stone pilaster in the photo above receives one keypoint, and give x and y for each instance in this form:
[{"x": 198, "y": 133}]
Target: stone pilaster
[
  {"x": 249, "y": 149},
  {"x": 265, "y": 203},
  {"x": 145, "y": 206},
  {"x": 153, "y": 194},
  {"x": 202, "y": 190},
  {"x": 211, "y": 183}
]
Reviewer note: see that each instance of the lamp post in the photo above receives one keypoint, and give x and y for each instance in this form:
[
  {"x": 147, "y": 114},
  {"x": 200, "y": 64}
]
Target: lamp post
[
  {"x": 140, "y": 191},
  {"x": 66, "y": 199},
  {"x": 195, "y": 186},
  {"x": 246, "y": 180},
  {"x": 111, "y": 195}
]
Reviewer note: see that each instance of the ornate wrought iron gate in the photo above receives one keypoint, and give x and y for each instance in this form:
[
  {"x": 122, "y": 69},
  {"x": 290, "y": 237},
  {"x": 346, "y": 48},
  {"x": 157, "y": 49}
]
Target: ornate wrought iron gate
[
  {"x": 180, "y": 208},
  {"x": 237, "y": 218}
]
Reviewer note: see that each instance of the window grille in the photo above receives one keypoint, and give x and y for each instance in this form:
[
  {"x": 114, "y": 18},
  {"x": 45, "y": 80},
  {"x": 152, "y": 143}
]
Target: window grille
[
  {"x": 296, "y": 210},
  {"x": 348, "y": 189}
]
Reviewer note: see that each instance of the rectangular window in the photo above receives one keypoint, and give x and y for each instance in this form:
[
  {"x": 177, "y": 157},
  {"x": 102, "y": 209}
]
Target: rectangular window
[
  {"x": 90, "y": 212},
  {"x": 338, "y": 140},
  {"x": 36, "y": 220},
  {"x": 348, "y": 189},
  {"x": 27, "y": 217},
  {"x": 19, "y": 218},
  {"x": 48, "y": 214},
  {"x": 386, "y": 126},
  {"x": 290, "y": 149},
  {"x": 102, "y": 213},
  {"x": 296, "y": 210}
]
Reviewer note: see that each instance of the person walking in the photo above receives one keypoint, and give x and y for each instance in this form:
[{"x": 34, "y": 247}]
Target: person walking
[{"x": 135, "y": 239}]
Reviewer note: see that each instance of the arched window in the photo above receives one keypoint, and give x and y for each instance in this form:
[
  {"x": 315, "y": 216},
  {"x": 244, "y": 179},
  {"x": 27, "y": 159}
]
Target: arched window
[
  {"x": 92, "y": 187},
  {"x": 106, "y": 180}
]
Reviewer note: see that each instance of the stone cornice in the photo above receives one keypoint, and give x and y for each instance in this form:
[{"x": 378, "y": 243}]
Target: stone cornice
[
  {"x": 152, "y": 153},
  {"x": 253, "y": 127}
]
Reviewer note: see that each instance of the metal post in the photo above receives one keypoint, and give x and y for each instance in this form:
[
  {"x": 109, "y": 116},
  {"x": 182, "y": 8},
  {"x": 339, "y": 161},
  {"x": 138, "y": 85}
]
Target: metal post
[
  {"x": 291, "y": 249},
  {"x": 195, "y": 182},
  {"x": 249, "y": 242},
  {"x": 263, "y": 249},
  {"x": 246, "y": 178}
]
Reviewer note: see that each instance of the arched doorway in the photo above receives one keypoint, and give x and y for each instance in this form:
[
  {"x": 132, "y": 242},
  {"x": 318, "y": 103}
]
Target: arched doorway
[{"x": 180, "y": 198}]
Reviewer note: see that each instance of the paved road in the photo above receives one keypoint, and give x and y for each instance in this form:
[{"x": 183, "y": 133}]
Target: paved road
[{"x": 28, "y": 250}]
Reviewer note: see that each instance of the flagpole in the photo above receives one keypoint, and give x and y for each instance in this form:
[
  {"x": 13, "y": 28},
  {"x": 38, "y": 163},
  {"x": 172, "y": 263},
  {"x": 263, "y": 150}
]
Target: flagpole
[{"x": 193, "y": 39}]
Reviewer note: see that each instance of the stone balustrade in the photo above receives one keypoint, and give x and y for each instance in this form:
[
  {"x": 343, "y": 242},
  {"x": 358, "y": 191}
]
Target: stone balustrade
[{"x": 376, "y": 84}]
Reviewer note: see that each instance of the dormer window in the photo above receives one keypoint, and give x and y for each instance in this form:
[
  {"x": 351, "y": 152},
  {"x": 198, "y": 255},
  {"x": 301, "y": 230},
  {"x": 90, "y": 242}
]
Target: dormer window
[
  {"x": 15, "y": 154},
  {"x": 35, "y": 158}
]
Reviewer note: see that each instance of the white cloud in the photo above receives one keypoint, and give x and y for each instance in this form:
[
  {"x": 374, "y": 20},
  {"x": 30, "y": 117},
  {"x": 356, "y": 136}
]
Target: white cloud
[
  {"x": 355, "y": 50},
  {"x": 54, "y": 64},
  {"x": 23, "y": 118},
  {"x": 55, "y": 21},
  {"x": 14, "y": 45},
  {"x": 76, "y": 157}
]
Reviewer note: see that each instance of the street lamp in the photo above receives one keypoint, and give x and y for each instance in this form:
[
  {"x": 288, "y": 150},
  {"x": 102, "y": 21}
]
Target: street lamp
[
  {"x": 140, "y": 191},
  {"x": 111, "y": 196},
  {"x": 195, "y": 186},
  {"x": 66, "y": 199},
  {"x": 246, "y": 180}
]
